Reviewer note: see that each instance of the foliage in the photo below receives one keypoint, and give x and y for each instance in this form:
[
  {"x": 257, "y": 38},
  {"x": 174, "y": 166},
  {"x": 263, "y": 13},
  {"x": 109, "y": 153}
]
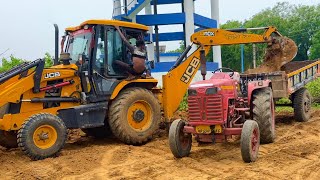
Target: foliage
[
  {"x": 184, "y": 103},
  {"x": 314, "y": 89},
  {"x": 48, "y": 60},
  {"x": 180, "y": 49},
  {"x": 8, "y": 64},
  {"x": 14, "y": 61}
]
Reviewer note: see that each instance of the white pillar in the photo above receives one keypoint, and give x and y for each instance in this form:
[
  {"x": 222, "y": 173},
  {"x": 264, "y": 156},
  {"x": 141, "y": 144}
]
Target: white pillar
[
  {"x": 189, "y": 25},
  {"x": 150, "y": 47},
  {"x": 215, "y": 16},
  {"x": 116, "y": 7}
]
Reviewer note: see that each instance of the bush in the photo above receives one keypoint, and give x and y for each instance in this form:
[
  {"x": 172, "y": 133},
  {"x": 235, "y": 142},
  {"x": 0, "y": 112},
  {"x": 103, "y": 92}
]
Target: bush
[
  {"x": 184, "y": 103},
  {"x": 314, "y": 89}
]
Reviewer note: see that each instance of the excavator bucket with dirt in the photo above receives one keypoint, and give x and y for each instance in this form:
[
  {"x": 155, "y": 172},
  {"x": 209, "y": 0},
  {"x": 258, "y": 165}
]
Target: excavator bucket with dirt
[{"x": 278, "y": 53}]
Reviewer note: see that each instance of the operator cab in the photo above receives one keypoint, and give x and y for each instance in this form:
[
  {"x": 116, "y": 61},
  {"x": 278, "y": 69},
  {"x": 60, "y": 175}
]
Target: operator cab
[{"x": 94, "y": 46}]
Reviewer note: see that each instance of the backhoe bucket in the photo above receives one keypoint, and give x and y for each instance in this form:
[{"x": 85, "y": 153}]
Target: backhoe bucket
[{"x": 278, "y": 53}]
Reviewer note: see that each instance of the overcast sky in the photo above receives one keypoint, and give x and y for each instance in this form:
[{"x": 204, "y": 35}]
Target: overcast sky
[{"x": 26, "y": 27}]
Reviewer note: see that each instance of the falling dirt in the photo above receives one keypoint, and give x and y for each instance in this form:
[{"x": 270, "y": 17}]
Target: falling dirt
[
  {"x": 278, "y": 53},
  {"x": 294, "y": 155}
]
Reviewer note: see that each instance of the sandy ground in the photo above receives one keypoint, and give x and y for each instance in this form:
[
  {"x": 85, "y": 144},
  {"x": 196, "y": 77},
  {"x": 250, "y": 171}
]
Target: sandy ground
[{"x": 294, "y": 155}]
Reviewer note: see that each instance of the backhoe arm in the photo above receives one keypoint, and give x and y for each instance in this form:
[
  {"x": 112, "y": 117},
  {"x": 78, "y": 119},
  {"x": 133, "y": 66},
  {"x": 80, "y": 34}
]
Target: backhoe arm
[
  {"x": 216, "y": 37},
  {"x": 178, "y": 79}
]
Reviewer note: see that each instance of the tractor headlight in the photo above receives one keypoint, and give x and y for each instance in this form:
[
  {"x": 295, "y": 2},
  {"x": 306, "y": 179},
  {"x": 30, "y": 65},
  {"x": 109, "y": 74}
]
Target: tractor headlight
[
  {"x": 211, "y": 91},
  {"x": 192, "y": 92}
]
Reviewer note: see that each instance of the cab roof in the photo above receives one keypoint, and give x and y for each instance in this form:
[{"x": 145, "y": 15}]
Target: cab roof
[{"x": 108, "y": 22}]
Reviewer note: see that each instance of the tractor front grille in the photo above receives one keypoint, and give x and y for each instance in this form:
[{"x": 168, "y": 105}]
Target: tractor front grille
[{"x": 205, "y": 108}]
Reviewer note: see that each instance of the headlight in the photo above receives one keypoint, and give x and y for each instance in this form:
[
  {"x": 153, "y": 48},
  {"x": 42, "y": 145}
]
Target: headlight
[
  {"x": 211, "y": 91},
  {"x": 192, "y": 92}
]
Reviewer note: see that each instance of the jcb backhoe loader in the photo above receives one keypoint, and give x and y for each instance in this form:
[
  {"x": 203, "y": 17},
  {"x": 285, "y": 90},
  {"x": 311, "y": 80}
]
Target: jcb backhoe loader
[{"x": 86, "y": 90}]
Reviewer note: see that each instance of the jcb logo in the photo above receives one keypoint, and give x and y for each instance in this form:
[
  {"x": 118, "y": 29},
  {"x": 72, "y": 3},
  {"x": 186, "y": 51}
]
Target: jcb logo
[
  {"x": 52, "y": 75},
  {"x": 191, "y": 69}
]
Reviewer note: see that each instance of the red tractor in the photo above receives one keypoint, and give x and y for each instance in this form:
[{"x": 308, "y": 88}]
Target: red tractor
[{"x": 222, "y": 106}]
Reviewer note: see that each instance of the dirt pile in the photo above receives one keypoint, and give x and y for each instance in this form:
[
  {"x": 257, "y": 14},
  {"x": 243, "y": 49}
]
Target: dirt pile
[
  {"x": 281, "y": 51},
  {"x": 295, "y": 154}
]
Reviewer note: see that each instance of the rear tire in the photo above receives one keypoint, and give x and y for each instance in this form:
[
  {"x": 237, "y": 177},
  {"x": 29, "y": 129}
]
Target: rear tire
[
  {"x": 250, "y": 141},
  {"x": 302, "y": 105},
  {"x": 42, "y": 135},
  {"x": 8, "y": 139},
  {"x": 134, "y": 116},
  {"x": 180, "y": 143},
  {"x": 263, "y": 114}
]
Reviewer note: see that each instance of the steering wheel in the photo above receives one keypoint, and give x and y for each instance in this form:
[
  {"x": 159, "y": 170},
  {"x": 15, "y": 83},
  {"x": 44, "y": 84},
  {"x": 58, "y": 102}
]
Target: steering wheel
[{"x": 224, "y": 68}]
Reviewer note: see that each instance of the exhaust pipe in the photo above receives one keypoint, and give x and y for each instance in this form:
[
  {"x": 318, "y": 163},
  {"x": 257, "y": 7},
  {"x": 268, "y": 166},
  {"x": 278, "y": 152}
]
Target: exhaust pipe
[{"x": 56, "y": 45}]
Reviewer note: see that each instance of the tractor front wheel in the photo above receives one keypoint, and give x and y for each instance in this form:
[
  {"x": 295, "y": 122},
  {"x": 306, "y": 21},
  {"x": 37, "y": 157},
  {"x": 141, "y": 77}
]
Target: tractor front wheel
[
  {"x": 180, "y": 143},
  {"x": 250, "y": 141},
  {"x": 134, "y": 116},
  {"x": 8, "y": 139},
  {"x": 42, "y": 135}
]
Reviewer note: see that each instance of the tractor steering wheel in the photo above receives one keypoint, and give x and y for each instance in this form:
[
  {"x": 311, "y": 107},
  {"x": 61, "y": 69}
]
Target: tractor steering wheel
[{"x": 220, "y": 70}]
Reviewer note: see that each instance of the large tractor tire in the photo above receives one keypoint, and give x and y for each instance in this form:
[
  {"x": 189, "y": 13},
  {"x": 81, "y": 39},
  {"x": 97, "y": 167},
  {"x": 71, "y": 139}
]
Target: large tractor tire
[
  {"x": 180, "y": 143},
  {"x": 134, "y": 116},
  {"x": 302, "y": 105},
  {"x": 8, "y": 139},
  {"x": 99, "y": 132},
  {"x": 250, "y": 141},
  {"x": 263, "y": 114},
  {"x": 42, "y": 135}
]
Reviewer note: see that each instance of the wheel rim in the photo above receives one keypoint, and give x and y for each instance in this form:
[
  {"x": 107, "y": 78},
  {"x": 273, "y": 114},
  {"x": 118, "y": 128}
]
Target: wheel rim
[
  {"x": 307, "y": 104},
  {"x": 140, "y": 115},
  {"x": 254, "y": 141},
  {"x": 45, "y": 136}
]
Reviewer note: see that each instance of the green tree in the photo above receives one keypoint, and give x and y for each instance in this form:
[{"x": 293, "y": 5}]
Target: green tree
[
  {"x": 8, "y": 64},
  {"x": 180, "y": 49},
  {"x": 48, "y": 60}
]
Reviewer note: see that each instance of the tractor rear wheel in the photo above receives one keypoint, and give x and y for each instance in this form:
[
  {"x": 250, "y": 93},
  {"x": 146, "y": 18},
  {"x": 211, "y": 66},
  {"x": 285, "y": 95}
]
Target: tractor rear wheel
[
  {"x": 302, "y": 105},
  {"x": 250, "y": 141},
  {"x": 263, "y": 114},
  {"x": 134, "y": 116},
  {"x": 42, "y": 135},
  {"x": 180, "y": 143},
  {"x": 8, "y": 139}
]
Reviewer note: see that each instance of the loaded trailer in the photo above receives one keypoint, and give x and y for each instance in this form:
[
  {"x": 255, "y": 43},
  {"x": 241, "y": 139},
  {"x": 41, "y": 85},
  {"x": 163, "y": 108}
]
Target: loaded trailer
[{"x": 289, "y": 83}]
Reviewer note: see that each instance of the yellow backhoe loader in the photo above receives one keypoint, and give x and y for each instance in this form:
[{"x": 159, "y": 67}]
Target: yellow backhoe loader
[{"x": 86, "y": 90}]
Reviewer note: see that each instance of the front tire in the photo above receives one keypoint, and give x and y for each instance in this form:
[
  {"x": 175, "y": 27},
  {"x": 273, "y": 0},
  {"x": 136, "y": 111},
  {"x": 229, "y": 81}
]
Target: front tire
[
  {"x": 250, "y": 141},
  {"x": 180, "y": 143},
  {"x": 42, "y": 135},
  {"x": 263, "y": 114},
  {"x": 134, "y": 116},
  {"x": 302, "y": 105}
]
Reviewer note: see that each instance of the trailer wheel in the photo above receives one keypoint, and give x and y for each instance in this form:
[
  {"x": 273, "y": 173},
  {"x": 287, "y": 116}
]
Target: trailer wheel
[
  {"x": 263, "y": 114},
  {"x": 134, "y": 116},
  {"x": 302, "y": 105},
  {"x": 42, "y": 135},
  {"x": 250, "y": 141},
  {"x": 8, "y": 139},
  {"x": 179, "y": 142}
]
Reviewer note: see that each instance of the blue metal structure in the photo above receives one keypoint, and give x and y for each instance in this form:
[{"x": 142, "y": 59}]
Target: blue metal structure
[{"x": 134, "y": 7}]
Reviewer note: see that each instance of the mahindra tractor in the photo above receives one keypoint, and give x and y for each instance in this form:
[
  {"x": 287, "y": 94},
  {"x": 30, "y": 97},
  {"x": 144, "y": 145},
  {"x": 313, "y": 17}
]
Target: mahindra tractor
[{"x": 218, "y": 110}]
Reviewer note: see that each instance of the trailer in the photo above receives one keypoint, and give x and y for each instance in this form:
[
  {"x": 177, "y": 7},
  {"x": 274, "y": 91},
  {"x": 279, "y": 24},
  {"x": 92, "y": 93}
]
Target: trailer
[{"x": 289, "y": 83}]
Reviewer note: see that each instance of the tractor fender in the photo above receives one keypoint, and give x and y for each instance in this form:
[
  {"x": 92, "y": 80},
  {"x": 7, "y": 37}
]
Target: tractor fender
[
  {"x": 145, "y": 83},
  {"x": 255, "y": 85}
]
